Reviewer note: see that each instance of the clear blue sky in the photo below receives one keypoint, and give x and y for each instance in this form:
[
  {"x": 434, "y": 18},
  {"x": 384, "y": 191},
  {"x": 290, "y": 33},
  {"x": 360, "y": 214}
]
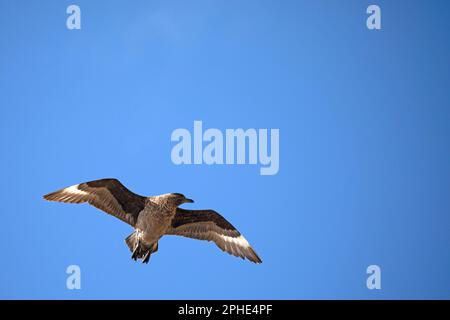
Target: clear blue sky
[{"x": 364, "y": 121}]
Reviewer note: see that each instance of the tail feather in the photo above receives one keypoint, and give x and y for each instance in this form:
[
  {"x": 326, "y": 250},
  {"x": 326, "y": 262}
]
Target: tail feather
[
  {"x": 131, "y": 241},
  {"x": 140, "y": 250}
]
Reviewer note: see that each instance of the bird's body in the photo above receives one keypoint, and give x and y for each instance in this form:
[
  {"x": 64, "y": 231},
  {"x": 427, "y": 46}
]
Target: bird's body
[
  {"x": 154, "y": 219},
  {"x": 155, "y": 216}
]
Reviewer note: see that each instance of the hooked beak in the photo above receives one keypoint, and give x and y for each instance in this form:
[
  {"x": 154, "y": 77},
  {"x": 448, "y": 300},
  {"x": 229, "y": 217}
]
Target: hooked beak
[{"x": 188, "y": 200}]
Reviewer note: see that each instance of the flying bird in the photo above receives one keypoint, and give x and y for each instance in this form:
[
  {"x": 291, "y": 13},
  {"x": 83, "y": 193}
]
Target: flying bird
[{"x": 155, "y": 216}]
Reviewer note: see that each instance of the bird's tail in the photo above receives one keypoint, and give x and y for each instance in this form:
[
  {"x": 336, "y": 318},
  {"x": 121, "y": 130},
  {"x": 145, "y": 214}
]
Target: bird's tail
[
  {"x": 131, "y": 241},
  {"x": 139, "y": 249}
]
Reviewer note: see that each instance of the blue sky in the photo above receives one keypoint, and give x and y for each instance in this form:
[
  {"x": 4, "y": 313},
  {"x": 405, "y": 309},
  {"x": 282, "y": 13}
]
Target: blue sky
[{"x": 364, "y": 145}]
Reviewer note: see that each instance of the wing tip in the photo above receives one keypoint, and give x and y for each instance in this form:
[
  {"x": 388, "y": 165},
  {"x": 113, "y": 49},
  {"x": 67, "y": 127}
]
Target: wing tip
[
  {"x": 50, "y": 196},
  {"x": 254, "y": 256},
  {"x": 71, "y": 194}
]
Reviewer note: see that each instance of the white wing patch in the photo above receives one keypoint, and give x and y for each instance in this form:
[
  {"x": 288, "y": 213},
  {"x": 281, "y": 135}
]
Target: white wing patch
[
  {"x": 75, "y": 191},
  {"x": 240, "y": 241}
]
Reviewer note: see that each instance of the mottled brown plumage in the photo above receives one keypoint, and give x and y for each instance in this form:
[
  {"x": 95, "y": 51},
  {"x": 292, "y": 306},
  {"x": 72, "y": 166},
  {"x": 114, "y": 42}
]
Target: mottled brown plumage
[{"x": 156, "y": 216}]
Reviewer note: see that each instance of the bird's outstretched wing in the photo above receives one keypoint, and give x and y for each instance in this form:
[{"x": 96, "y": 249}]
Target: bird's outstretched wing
[
  {"x": 211, "y": 226},
  {"x": 108, "y": 195}
]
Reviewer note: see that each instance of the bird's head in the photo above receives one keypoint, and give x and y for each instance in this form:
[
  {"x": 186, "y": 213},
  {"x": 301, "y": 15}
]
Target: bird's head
[{"x": 178, "y": 199}]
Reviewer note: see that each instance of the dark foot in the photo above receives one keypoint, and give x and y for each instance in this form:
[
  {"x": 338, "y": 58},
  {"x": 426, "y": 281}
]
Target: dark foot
[
  {"x": 136, "y": 251},
  {"x": 146, "y": 257}
]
